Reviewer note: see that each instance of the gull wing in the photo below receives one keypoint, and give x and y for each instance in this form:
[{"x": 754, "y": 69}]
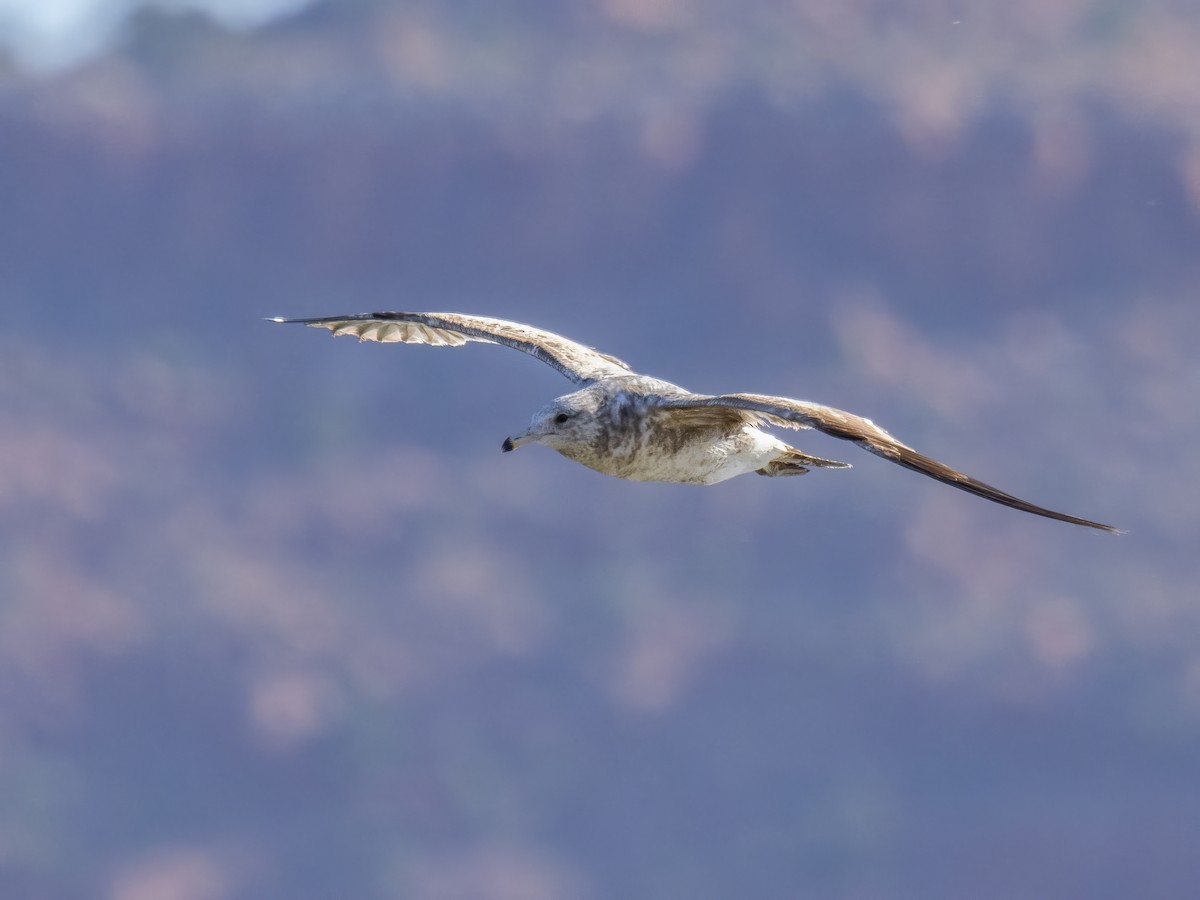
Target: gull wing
[
  {"x": 788, "y": 413},
  {"x": 576, "y": 361}
]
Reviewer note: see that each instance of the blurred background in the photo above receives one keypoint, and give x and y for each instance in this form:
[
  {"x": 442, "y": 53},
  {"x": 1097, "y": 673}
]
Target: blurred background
[{"x": 278, "y": 619}]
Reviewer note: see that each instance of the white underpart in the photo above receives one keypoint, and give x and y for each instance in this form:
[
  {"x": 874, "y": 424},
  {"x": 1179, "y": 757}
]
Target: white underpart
[{"x": 716, "y": 461}]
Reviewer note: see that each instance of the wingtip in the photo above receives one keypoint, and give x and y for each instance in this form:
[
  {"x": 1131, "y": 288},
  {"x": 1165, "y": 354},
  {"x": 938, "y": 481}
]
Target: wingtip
[{"x": 1097, "y": 526}]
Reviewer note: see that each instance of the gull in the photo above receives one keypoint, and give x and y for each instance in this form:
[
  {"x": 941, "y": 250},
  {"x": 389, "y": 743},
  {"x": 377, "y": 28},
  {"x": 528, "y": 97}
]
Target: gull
[{"x": 640, "y": 428}]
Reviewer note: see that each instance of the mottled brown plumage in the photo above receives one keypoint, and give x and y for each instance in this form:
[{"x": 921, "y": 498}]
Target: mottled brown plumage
[{"x": 644, "y": 429}]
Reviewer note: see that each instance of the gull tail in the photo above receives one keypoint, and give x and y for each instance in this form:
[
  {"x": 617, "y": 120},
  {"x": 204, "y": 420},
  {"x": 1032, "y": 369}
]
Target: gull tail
[{"x": 797, "y": 462}]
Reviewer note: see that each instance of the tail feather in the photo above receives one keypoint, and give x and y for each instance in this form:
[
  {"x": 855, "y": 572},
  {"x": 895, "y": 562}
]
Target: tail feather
[{"x": 796, "y": 462}]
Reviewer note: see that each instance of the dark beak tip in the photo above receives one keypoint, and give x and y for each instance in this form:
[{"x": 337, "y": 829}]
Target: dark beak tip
[{"x": 507, "y": 445}]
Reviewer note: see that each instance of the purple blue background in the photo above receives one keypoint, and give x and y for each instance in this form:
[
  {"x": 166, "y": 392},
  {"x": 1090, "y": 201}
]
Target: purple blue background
[{"x": 278, "y": 619}]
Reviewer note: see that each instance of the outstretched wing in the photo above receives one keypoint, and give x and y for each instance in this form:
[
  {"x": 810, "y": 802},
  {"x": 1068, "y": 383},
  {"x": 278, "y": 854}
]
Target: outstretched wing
[
  {"x": 579, "y": 363},
  {"x": 790, "y": 413}
]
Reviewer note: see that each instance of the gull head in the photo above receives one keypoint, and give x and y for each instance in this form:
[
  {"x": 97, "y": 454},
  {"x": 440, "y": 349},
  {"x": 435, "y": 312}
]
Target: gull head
[{"x": 569, "y": 423}]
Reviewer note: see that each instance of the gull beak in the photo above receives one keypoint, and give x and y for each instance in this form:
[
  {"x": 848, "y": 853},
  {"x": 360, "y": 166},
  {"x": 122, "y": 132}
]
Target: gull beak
[{"x": 512, "y": 443}]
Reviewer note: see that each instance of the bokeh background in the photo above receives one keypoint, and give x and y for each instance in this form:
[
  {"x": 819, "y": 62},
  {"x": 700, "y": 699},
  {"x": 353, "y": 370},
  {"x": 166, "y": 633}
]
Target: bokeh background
[{"x": 278, "y": 619}]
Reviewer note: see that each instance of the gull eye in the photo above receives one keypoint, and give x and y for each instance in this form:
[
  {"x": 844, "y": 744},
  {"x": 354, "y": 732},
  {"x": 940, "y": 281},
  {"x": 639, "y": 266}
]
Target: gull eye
[{"x": 561, "y": 418}]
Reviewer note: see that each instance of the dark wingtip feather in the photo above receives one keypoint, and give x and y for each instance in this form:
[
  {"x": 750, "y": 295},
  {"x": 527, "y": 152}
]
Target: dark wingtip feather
[{"x": 918, "y": 462}]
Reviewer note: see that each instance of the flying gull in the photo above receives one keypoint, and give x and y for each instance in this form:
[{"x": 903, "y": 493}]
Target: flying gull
[{"x": 644, "y": 429}]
